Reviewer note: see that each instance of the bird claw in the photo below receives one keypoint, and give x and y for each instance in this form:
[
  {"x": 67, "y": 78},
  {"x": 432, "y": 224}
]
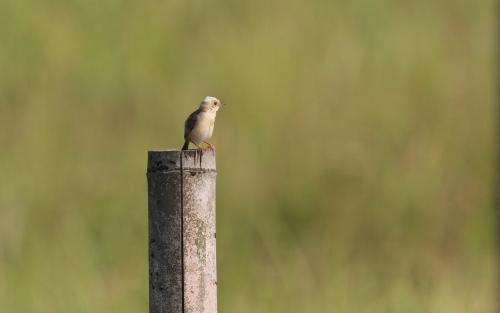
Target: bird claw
[{"x": 207, "y": 148}]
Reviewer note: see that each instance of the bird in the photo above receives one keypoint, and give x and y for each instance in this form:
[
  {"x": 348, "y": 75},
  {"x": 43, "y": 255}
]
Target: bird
[{"x": 199, "y": 125}]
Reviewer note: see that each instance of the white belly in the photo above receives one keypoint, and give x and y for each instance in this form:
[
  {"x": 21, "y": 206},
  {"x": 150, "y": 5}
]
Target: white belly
[{"x": 203, "y": 129}]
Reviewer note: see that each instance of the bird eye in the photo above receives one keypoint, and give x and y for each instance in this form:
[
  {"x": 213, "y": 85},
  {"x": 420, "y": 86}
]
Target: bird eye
[{"x": 216, "y": 103}]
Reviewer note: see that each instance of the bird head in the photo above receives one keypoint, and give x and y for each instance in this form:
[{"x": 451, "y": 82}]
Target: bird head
[{"x": 210, "y": 104}]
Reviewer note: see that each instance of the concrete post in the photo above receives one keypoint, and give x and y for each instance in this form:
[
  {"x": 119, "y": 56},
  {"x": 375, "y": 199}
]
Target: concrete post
[{"x": 181, "y": 206}]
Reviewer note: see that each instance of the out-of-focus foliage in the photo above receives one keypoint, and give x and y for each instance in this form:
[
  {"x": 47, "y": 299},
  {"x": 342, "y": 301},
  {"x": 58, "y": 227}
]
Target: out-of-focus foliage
[{"x": 355, "y": 155}]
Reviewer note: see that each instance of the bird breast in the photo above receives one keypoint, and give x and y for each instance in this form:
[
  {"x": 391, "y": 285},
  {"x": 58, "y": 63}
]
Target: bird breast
[{"x": 204, "y": 127}]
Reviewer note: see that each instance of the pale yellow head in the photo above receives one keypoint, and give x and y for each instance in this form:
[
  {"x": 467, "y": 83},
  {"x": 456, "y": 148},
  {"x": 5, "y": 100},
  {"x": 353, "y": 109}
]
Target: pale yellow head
[{"x": 210, "y": 104}]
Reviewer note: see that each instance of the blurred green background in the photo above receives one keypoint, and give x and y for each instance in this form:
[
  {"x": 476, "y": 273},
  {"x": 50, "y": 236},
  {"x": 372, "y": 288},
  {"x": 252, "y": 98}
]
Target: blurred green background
[{"x": 355, "y": 156}]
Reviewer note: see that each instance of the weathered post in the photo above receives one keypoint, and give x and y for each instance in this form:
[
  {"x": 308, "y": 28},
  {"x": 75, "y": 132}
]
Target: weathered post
[{"x": 181, "y": 206}]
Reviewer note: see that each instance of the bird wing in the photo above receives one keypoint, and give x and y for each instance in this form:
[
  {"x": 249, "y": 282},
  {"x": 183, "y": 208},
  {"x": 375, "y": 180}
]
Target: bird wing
[{"x": 191, "y": 122}]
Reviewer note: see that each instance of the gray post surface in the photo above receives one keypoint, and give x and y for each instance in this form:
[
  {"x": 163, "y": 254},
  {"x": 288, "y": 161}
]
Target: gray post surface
[{"x": 181, "y": 218}]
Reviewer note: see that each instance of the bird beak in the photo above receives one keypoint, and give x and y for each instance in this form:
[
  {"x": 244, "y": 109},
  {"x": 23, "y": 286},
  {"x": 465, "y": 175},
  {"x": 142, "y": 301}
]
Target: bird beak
[{"x": 223, "y": 103}]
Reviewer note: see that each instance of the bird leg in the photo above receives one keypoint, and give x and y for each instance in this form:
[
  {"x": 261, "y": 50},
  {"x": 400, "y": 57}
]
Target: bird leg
[
  {"x": 210, "y": 146},
  {"x": 199, "y": 148},
  {"x": 203, "y": 148}
]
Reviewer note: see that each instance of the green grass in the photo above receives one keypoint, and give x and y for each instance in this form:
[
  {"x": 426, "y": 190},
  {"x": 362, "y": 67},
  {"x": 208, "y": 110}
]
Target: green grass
[{"x": 355, "y": 157}]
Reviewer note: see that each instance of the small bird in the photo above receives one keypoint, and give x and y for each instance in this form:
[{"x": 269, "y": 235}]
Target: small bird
[{"x": 199, "y": 125}]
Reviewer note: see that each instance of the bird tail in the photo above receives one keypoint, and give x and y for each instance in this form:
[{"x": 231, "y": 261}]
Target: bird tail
[{"x": 186, "y": 145}]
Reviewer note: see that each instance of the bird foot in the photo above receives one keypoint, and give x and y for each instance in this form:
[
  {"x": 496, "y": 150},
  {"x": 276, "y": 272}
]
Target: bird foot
[
  {"x": 210, "y": 146},
  {"x": 207, "y": 148}
]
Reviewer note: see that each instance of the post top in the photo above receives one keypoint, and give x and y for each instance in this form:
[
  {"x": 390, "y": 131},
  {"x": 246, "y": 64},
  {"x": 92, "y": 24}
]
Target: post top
[{"x": 171, "y": 160}]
